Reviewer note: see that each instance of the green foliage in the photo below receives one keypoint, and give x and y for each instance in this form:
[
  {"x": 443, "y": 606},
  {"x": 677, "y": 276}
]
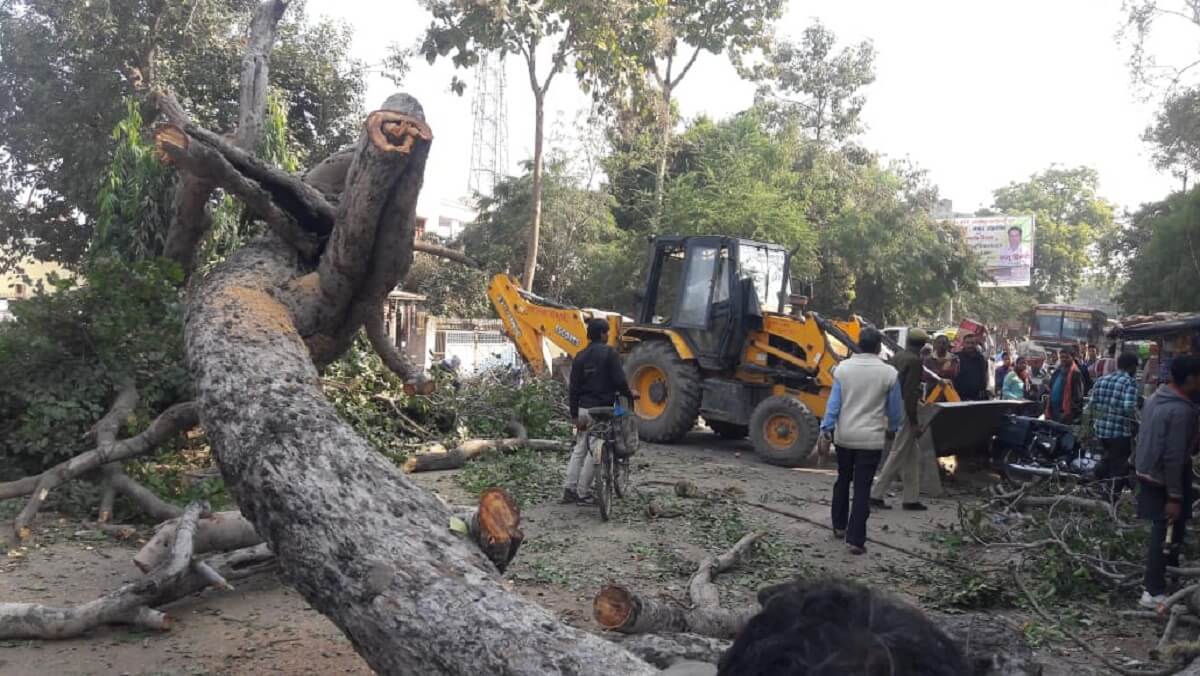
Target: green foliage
[
  {"x": 1071, "y": 219},
  {"x": 530, "y": 477},
  {"x": 133, "y": 200},
  {"x": 63, "y": 76},
  {"x": 734, "y": 178},
  {"x": 1163, "y": 248},
  {"x": 361, "y": 388},
  {"x": 172, "y": 476},
  {"x": 72, "y": 347},
  {"x": 580, "y": 244},
  {"x": 807, "y": 84}
]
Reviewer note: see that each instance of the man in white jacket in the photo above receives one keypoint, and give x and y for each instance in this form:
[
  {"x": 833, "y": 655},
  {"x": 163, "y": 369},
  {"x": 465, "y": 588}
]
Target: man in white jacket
[{"x": 864, "y": 411}]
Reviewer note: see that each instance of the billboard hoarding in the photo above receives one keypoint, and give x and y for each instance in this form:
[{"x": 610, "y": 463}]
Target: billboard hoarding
[{"x": 1004, "y": 245}]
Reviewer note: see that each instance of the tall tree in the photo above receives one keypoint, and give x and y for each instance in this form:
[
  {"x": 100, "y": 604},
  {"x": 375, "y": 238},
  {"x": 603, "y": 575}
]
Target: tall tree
[
  {"x": 1071, "y": 220},
  {"x": 1174, "y": 133},
  {"x": 685, "y": 29},
  {"x": 463, "y": 29},
  {"x": 1161, "y": 248},
  {"x": 65, "y": 67},
  {"x": 818, "y": 88}
]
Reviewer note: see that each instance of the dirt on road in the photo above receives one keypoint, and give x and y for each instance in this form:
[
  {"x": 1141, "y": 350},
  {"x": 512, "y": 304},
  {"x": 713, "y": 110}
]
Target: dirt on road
[{"x": 263, "y": 627}]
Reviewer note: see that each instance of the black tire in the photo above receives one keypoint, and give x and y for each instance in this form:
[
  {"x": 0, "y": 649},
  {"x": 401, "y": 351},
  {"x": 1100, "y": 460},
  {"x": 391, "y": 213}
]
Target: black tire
[
  {"x": 783, "y": 431},
  {"x": 677, "y": 395},
  {"x": 602, "y": 484},
  {"x": 727, "y": 430}
]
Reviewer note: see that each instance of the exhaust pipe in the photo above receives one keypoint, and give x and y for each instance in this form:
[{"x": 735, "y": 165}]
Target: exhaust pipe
[{"x": 1036, "y": 470}]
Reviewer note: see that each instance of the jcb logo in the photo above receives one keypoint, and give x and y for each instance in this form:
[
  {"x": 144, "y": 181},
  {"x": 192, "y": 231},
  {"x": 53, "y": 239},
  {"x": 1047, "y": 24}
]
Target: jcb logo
[{"x": 566, "y": 335}]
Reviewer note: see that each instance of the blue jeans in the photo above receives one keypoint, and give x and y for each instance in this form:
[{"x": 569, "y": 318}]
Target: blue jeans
[{"x": 855, "y": 466}]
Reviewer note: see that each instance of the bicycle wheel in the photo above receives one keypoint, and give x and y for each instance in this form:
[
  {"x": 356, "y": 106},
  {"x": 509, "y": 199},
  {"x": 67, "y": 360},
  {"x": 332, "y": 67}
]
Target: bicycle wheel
[
  {"x": 602, "y": 483},
  {"x": 621, "y": 469}
]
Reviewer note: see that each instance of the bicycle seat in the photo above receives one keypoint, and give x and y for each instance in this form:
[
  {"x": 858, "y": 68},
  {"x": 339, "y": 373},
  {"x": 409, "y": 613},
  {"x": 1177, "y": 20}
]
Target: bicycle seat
[{"x": 601, "y": 413}]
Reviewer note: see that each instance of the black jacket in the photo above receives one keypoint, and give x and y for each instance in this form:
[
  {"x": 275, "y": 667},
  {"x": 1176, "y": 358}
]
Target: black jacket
[
  {"x": 971, "y": 381},
  {"x": 911, "y": 370},
  {"x": 596, "y": 378}
]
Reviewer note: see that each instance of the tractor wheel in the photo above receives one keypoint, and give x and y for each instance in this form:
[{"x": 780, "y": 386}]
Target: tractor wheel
[
  {"x": 727, "y": 430},
  {"x": 784, "y": 431},
  {"x": 668, "y": 389}
]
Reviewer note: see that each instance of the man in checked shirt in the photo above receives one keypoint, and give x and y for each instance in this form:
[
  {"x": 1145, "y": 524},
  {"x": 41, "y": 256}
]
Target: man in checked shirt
[{"x": 1113, "y": 404}]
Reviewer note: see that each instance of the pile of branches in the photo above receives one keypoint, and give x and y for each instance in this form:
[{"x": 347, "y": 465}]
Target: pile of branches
[{"x": 1057, "y": 541}]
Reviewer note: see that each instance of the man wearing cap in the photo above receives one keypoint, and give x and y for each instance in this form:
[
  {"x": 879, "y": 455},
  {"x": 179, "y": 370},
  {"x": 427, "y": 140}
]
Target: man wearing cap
[
  {"x": 596, "y": 380},
  {"x": 904, "y": 458}
]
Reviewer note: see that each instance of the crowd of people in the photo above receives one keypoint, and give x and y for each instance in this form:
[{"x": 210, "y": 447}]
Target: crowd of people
[{"x": 872, "y": 414}]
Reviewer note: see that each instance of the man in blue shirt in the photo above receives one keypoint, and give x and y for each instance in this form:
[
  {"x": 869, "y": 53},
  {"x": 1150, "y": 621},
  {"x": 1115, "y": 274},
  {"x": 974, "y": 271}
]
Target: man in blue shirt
[
  {"x": 1113, "y": 405},
  {"x": 864, "y": 411}
]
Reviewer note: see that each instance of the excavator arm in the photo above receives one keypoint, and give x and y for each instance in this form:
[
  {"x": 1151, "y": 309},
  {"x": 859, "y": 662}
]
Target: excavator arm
[{"x": 534, "y": 323}]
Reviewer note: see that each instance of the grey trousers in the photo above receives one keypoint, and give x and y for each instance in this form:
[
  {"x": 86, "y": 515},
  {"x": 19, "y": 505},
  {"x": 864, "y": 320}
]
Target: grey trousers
[
  {"x": 581, "y": 465},
  {"x": 905, "y": 460}
]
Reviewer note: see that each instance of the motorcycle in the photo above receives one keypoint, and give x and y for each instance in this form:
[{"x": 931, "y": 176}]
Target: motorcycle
[{"x": 1025, "y": 447}]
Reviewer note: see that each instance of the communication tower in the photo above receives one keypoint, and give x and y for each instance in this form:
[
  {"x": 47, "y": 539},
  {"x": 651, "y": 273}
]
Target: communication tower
[{"x": 489, "y": 138}]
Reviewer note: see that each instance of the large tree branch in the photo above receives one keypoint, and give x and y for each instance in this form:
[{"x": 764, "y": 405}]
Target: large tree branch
[
  {"x": 686, "y": 68},
  {"x": 174, "y": 420},
  {"x": 106, "y": 435},
  {"x": 396, "y": 361},
  {"x": 203, "y": 162},
  {"x": 192, "y": 219},
  {"x": 131, "y": 604},
  {"x": 252, "y": 84},
  {"x": 357, "y": 539}
]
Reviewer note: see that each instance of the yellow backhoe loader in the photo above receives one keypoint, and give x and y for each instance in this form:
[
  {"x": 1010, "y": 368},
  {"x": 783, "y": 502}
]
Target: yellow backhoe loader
[{"x": 717, "y": 335}]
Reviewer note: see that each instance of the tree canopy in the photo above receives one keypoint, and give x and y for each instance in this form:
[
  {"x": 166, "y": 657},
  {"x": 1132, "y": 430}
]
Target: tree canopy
[{"x": 66, "y": 67}]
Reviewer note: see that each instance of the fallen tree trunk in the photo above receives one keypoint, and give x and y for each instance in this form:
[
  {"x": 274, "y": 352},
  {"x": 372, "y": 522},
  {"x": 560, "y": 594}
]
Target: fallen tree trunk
[
  {"x": 663, "y": 650},
  {"x": 436, "y": 458},
  {"x": 618, "y": 609}
]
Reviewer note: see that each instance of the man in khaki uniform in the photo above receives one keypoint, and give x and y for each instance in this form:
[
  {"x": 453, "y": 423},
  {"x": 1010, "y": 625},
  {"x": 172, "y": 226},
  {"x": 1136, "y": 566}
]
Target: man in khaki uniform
[{"x": 904, "y": 458}]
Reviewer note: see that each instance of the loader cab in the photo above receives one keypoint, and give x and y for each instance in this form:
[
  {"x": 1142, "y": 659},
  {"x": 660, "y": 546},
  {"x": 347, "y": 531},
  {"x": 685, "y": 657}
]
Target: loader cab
[{"x": 712, "y": 291}]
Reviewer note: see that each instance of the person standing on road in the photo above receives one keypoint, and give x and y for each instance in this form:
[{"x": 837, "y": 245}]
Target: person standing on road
[
  {"x": 904, "y": 458},
  {"x": 942, "y": 362},
  {"x": 596, "y": 380},
  {"x": 1002, "y": 371},
  {"x": 1163, "y": 461},
  {"x": 1113, "y": 405},
  {"x": 971, "y": 381},
  {"x": 864, "y": 411},
  {"x": 1066, "y": 390}
]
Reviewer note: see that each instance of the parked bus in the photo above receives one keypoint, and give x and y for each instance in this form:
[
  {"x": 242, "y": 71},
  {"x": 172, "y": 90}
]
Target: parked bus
[{"x": 1056, "y": 326}]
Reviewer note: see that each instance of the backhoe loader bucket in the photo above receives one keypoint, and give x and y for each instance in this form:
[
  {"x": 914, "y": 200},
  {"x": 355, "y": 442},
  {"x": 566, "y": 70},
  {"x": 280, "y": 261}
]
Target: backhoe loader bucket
[{"x": 965, "y": 428}]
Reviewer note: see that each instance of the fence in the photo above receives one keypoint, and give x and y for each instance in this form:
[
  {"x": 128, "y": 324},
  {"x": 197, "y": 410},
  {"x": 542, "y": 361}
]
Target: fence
[{"x": 479, "y": 344}]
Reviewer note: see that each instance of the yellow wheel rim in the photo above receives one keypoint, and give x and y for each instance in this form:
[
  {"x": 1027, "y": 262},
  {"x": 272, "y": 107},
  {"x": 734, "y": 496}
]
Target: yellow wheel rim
[
  {"x": 781, "y": 431},
  {"x": 650, "y": 384}
]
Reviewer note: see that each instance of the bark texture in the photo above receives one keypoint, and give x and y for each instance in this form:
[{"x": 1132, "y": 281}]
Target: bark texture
[{"x": 361, "y": 543}]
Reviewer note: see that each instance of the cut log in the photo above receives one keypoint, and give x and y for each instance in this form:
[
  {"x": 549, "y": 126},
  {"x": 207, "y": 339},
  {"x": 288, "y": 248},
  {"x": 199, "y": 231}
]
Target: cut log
[
  {"x": 459, "y": 456},
  {"x": 617, "y": 609},
  {"x": 222, "y": 531},
  {"x": 703, "y": 592},
  {"x": 176, "y": 419},
  {"x": 495, "y": 526},
  {"x": 131, "y": 604}
]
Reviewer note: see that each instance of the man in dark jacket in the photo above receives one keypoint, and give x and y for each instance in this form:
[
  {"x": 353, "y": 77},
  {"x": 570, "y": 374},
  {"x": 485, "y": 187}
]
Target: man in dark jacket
[
  {"x": 904, "y": 458},
  {"x": 1165, "y": 443},
  {"x": 596, "y": 380},
  {"x": 971, "y": 381}
]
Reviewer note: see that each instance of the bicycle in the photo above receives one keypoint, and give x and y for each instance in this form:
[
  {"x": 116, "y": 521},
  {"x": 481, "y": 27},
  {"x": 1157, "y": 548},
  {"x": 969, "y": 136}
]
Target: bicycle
[{"x": 611, "y": 473}]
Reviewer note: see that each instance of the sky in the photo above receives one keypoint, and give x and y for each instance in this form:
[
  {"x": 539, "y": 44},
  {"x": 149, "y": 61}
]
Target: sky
[{"x": 980, "y": 94}]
